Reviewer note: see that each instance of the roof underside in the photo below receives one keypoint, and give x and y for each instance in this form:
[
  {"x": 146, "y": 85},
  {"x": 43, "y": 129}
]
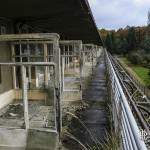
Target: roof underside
[{"x": 72, "y": 19}]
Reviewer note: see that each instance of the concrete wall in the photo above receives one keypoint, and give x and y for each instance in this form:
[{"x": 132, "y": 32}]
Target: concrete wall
[
  {"x": 6, "y": 92},
  {"x": 5, "y": 55},
  {"x": 6, "y": 72},
  {"x": 6, "y": 98},
  {"x": 32, "y": 94}
]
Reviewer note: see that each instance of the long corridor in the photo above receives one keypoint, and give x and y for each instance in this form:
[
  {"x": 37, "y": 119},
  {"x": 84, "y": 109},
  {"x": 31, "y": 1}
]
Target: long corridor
[
  {"x": 96, "y": 116},
  {"x": 93, "y": 127}
]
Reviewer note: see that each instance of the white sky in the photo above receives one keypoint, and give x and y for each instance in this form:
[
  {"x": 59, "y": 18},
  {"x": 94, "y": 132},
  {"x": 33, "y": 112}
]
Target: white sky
[{"x": 115, "y": 14}]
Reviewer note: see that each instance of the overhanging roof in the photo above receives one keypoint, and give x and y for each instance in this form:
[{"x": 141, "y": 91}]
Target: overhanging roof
[
  {"x": 28, "y": 37},
  {"x": 72, "y": 19}
]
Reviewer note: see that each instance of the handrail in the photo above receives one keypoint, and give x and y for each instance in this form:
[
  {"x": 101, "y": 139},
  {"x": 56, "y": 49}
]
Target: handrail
[{"x": 124, "y": 121}]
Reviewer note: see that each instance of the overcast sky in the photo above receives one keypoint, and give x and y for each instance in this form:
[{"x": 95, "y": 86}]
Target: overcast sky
[{"x": 115, "y": 14}]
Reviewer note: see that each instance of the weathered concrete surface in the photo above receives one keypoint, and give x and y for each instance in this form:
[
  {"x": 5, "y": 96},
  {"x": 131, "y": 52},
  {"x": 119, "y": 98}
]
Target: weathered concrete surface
[
  {"x": 96, "y": 117},
  {"x": 14, "y": 137},
  {"x": 19, "y": 139},
  {"x": 40, "y": 140},
  {"x": 6, "y": 72},
  {"x": 40, "y": 115},
  {"x": 6, "y": 98},
  {"x": 71, "y": 91}
]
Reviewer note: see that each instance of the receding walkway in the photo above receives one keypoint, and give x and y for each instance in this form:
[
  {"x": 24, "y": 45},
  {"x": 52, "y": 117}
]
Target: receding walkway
[
  {"x": 96, "y": 117},
  {"x": 92, "y": 126}
]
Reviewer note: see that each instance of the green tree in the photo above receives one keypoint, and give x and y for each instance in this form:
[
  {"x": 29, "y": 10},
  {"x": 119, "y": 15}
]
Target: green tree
[
  {"x": 110, "y": 42},
  {"x": 146, "y": 44},
  {"x": 135, "y": 58},
  {"x": 121, "y": 45},
  {"x": 131, "y": 39}
]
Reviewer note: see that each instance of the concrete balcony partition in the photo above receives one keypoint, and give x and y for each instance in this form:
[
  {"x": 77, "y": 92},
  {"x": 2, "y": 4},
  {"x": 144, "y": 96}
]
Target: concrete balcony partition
[
  {"x": 46, "y": 73},
  {"x": 72, "y": 66},
  {"x": 32, "y": 107}
]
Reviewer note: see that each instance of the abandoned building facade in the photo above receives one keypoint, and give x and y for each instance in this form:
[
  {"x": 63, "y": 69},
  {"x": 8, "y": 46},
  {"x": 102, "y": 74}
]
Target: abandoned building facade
[
  {"x": 52, "y": 59},
  {"x": 45, "y": 58}
]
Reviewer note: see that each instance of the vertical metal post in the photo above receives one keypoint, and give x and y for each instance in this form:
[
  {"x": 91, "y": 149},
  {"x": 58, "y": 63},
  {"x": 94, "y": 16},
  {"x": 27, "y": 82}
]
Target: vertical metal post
[
  {"x": 83, "y": 58},
  {"x": 81, "y": 67},
  {"x": 97, "y": 54},
  {"x": 64, "y": 53},
  {"x": 29, "y": 67},
  {"x": 46, "y": 68},
  {"x": 60, "y": 89},
  {"x": 74, "y": 62},
  {"x": 14, "y": 67},
  {"x": 63, "y": 75},
  {"x": 92, "y": 60},
  {"x": 68, "y": 63},
  {"x": 25, "y": 97},
  {"x": 20, "y": 48}
]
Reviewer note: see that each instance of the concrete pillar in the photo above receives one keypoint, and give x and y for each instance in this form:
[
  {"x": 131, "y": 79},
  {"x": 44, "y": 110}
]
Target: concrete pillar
[
  {"x": 25, "y": 97},
  {"x": 58, "y": 86}
]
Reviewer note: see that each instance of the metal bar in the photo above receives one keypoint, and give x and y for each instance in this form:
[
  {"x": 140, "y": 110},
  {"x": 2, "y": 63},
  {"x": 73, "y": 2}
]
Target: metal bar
[
  {"x": 32, "y": 42},
  {"x": 133, "y": 125},
  {"x": 14, "y": 68},
  {"x": 140, "y": 116},
  {"x": 46, "y": 68},
  {"x": 131, "y": 138},
  {"x": 63, "y": 68},
  {"x": 71, "y": 42},
  {"x": 68, "y": 61},
  {"x": 29, "y": 67},
  {"x": 30, "y": 56},
  {"x": 27, "y": 64}
]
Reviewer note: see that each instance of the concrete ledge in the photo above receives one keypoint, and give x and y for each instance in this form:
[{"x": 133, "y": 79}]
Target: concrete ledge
[
  {"x": 41, "y": 140},
  {"x": 19, "y": 139},
  {"x": 32, "y": 94},
  {"x": 6, "y": 98},
  {"x": 15, "y": 138}
]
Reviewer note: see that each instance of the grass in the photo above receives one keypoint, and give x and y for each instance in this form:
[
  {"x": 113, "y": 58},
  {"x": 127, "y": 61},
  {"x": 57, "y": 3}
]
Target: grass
[
  {"x": 140, "y": 72},
  {"x": 112, "y": 141},
  {"x": 125, "y": 60}
]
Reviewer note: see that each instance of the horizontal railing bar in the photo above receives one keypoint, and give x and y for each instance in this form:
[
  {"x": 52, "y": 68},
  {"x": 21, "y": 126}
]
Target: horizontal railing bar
[
  {"x": 130, "y": 118},
  {"x": 27, "y": 64}
]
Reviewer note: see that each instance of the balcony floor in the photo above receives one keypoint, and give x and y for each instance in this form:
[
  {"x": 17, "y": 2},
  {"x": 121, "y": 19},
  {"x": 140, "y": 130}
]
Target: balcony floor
[{"x": 40, "y": 115}]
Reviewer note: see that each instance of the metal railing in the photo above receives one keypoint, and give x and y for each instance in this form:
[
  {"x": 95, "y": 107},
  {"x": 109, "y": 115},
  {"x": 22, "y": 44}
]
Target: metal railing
[{"x": 124, "y": 121}]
